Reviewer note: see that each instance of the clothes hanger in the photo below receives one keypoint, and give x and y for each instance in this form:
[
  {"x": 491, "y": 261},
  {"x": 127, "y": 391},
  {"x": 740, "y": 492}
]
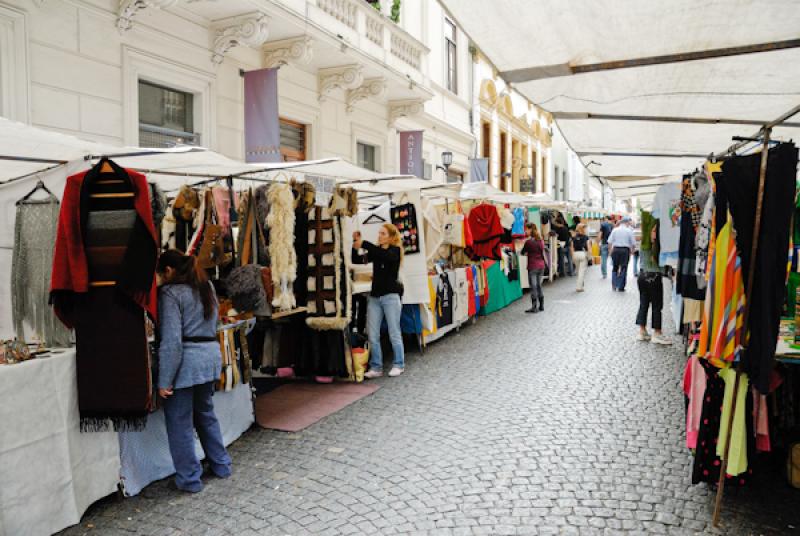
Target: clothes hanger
[
  {"x": 39, "y": 186},
  {"x": 106, "y": 167},
  {"x": 377, "y": 218}
]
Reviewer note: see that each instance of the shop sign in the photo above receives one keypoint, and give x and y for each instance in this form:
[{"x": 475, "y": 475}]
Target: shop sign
[
  {"x": 411, "y": 153},
  {"x": 262, "y": 130}
]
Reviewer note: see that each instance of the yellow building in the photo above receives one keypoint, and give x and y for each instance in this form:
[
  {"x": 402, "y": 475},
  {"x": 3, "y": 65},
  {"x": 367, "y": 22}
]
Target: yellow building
[{"x": 512, "y": 132}]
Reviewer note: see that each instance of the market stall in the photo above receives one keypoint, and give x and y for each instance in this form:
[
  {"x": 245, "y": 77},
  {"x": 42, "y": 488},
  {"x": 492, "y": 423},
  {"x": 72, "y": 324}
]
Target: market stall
[{"x": 194, "y": 199}]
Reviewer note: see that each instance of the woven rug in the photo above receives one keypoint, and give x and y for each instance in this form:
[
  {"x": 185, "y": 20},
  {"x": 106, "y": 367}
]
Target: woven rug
[{"x": 294, "y": 407}]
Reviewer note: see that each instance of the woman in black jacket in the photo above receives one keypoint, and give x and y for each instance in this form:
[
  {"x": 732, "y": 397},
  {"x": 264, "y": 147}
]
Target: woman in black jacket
[{"x": 384, "y": 299}]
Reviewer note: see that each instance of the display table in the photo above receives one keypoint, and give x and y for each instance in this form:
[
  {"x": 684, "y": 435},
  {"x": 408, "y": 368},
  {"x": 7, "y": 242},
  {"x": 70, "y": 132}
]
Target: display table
[
  {"x": 49, "y": 472},
  {"x": 502, "y": 292}
]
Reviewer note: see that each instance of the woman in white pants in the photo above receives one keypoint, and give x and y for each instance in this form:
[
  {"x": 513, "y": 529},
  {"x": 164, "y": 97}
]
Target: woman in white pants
[{"x": 580, "y": 253}]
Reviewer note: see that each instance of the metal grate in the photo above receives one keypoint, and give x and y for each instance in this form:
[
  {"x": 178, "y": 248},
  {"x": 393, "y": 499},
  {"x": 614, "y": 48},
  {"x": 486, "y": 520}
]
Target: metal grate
[{"x": 150, "y": 136}]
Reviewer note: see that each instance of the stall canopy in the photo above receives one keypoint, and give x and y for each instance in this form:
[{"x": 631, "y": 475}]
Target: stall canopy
[
  {"x": 26, "y": 151},
  {"x": 646, "y": 89}
]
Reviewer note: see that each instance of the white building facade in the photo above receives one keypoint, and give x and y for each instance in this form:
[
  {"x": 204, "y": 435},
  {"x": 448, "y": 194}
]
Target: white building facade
[{"x": 165, "y": 72}]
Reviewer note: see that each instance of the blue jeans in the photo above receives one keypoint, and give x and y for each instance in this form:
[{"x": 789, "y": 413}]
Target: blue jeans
[
  {"x": 604, "y": 259},
  {"x": 391, "y": 307},
  {"x": 186, "y": 410},
  {"x": 636, "y": 264}
]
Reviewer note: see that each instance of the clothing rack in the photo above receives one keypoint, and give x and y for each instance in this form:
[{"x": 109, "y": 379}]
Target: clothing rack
[{"x": 764, "y": 135}]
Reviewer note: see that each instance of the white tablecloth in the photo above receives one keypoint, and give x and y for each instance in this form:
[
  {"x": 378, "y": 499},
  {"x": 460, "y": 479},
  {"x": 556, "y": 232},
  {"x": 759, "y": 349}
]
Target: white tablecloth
[
  {"x": 145, "y": 454},
  {"x": 49, "y": 472}
]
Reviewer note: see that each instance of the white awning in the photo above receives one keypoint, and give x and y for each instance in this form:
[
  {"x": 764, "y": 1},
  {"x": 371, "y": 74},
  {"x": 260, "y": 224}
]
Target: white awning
[{"x": 636, "y": 86}]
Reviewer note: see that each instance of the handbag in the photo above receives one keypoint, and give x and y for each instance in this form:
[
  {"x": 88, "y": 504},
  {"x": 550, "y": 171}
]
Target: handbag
[
  {"x": 212, "y": 250},
  {"x": 793, "y": 465}
]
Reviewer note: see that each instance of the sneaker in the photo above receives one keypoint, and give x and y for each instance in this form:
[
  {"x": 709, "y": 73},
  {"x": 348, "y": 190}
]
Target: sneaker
[
  {"x": 370, "y": 374},
  {"x": 395, "y": 372},
  {"x": 660, "y": 339},
  {"x": 642, "y": 336}
]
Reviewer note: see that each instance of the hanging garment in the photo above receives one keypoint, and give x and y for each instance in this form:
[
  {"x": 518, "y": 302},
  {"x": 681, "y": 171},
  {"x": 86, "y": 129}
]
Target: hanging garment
[
  {"x": 666, "y": 208},
  {"x": 737, "y": 452},
  {"x": 328, "y": 282},
  {"x": 404, "y": 217},
  {"x": 518, "y": 228},
  {"x": 702, "y": 243},
  {"x": 31, "y": 265},
  {"x": 223, "y": 207},
  {"x": 444, "y": 301},
  {"x": 453, "y": 230},
  {"x": 303, "y": 206},
  {"x": 281, "y": 222},
  {"x": 103, "y": 284},
  {"x": 721, "y": 331},
  {"x": 694, "y": 387},
  {"x": 461, "y": 296},
  {"x": 486, "y": 230},
  {"x": 686, "y": 277},
  {"x": 737, "y": 189}
]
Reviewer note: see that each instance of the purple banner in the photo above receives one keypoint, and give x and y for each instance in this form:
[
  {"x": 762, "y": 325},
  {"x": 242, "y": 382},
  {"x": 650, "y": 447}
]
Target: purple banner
[
  {"x": 262, "y": 129},
  {"x": 411, "y": 153}
]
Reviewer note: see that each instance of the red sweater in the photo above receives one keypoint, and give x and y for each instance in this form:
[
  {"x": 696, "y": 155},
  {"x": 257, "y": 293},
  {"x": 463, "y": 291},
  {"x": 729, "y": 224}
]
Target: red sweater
[{"x": 70, "y": 267}]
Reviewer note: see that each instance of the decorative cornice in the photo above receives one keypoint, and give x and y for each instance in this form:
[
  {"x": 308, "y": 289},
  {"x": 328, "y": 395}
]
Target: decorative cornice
[
  {"x": 404, "y": 108},
  {"x": 128, "y": 9},
  {"x": 345, "y": 77},
  {"x": 297, "y": 50},
  {"x": 372, "y": 87},
  {"x": 250, "y": 30}
]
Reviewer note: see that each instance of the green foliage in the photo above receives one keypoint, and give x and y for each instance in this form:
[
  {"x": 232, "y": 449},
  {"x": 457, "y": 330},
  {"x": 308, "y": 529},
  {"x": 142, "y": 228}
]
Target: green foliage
[{"x": 395, "y": 16}]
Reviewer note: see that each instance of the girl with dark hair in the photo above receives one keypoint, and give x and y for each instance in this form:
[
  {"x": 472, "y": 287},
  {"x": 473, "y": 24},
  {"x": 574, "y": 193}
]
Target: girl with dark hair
[{"x": 189, "y": 364}]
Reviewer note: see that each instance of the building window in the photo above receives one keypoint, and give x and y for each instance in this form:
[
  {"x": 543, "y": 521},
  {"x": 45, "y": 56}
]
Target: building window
[
  {"x": 166, "y": 116},
  {"x": 556, "y": 188},
  {"x": 451, "y": 59},
  {"x": 366, "y": 156},
  {"x": 293, "y": 140}
]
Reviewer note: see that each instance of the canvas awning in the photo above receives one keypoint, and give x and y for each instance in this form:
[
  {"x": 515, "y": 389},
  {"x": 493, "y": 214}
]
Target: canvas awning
[
  {"x": 27, "y": 150},
  {"x": 646, "y": 89}
]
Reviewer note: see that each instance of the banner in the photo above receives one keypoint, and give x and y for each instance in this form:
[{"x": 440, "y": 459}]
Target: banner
[
  {"x": 478, "y": 170},
  {"x": 262, "y": 129},
  {"x": 411, "y": 153}
]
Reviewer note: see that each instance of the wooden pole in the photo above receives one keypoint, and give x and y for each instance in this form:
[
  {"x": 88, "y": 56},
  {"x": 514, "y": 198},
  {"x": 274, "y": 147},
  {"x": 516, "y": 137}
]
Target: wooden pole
[{"x": 749, "y": 292}]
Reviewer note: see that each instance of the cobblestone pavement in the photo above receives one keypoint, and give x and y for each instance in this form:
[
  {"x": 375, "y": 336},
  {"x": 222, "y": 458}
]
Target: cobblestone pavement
[{"x": 555, "y": 423}]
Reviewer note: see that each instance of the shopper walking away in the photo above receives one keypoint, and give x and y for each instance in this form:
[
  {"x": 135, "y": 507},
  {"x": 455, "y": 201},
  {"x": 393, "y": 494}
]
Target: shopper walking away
[
  {"x": 580, "y": 253},
  {"x": 605, "y": 231},
  {"x": 636, "y": 255},
  {"x": 564, "y": 242},
  {"x": 189, "y": 365},
  {"x": 651, "y": 295},
  {"x": 384, "y": 299},
  {"x": 622, "y": 245},
  {"x": 534, "y": 249}
]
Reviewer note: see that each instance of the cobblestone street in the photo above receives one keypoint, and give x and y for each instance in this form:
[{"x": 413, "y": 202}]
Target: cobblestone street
[{"x": 555, "y": 423}]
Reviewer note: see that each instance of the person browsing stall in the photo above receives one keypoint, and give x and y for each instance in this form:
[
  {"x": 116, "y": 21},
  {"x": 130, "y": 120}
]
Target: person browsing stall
[
  {"x": 384, "y": 299},
  {"x": 605, "y": 231},
  {"x": 190, "y": 363},
  {"x": 623, "y": 243},
  {"x": 534, "y": 249}
]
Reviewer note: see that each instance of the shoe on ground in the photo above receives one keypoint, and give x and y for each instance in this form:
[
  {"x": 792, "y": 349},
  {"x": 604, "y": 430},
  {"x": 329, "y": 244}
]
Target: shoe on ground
[
  {"x": 660, "y": 339},
  {"x": 371, "y": 374},
  {"x": 642, "y": 336},
  {"x": 578, "y": 290},
  {"x": 395, "y": 372},
  {"x": 532, "y": 310}
]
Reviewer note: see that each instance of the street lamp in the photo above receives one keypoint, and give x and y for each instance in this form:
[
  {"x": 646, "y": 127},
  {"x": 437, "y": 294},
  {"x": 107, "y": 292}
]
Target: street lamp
[{"x": 447, "y": 161}]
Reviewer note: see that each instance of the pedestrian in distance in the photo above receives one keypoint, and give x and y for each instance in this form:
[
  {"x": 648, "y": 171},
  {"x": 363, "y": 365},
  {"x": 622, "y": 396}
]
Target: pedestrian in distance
[
  {"x": 580, "y": 253},
  {"x": 605, "y": 231},
  {"x": 385, "y": 298},
  {"x": 534, "y": 249},
  {"x": 190, "y": 363},
  {"x": 622, "y": 243},
  {"x": 651, "y": 295}
]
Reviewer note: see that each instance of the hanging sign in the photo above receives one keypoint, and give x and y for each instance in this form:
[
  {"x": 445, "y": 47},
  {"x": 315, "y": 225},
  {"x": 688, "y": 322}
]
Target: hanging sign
[
  {"x": 478, "y": 170},
  {"x": 411, "y": 153},
  {"x": 324, "y": 187},
  {"x": 262, "y": 130}
]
